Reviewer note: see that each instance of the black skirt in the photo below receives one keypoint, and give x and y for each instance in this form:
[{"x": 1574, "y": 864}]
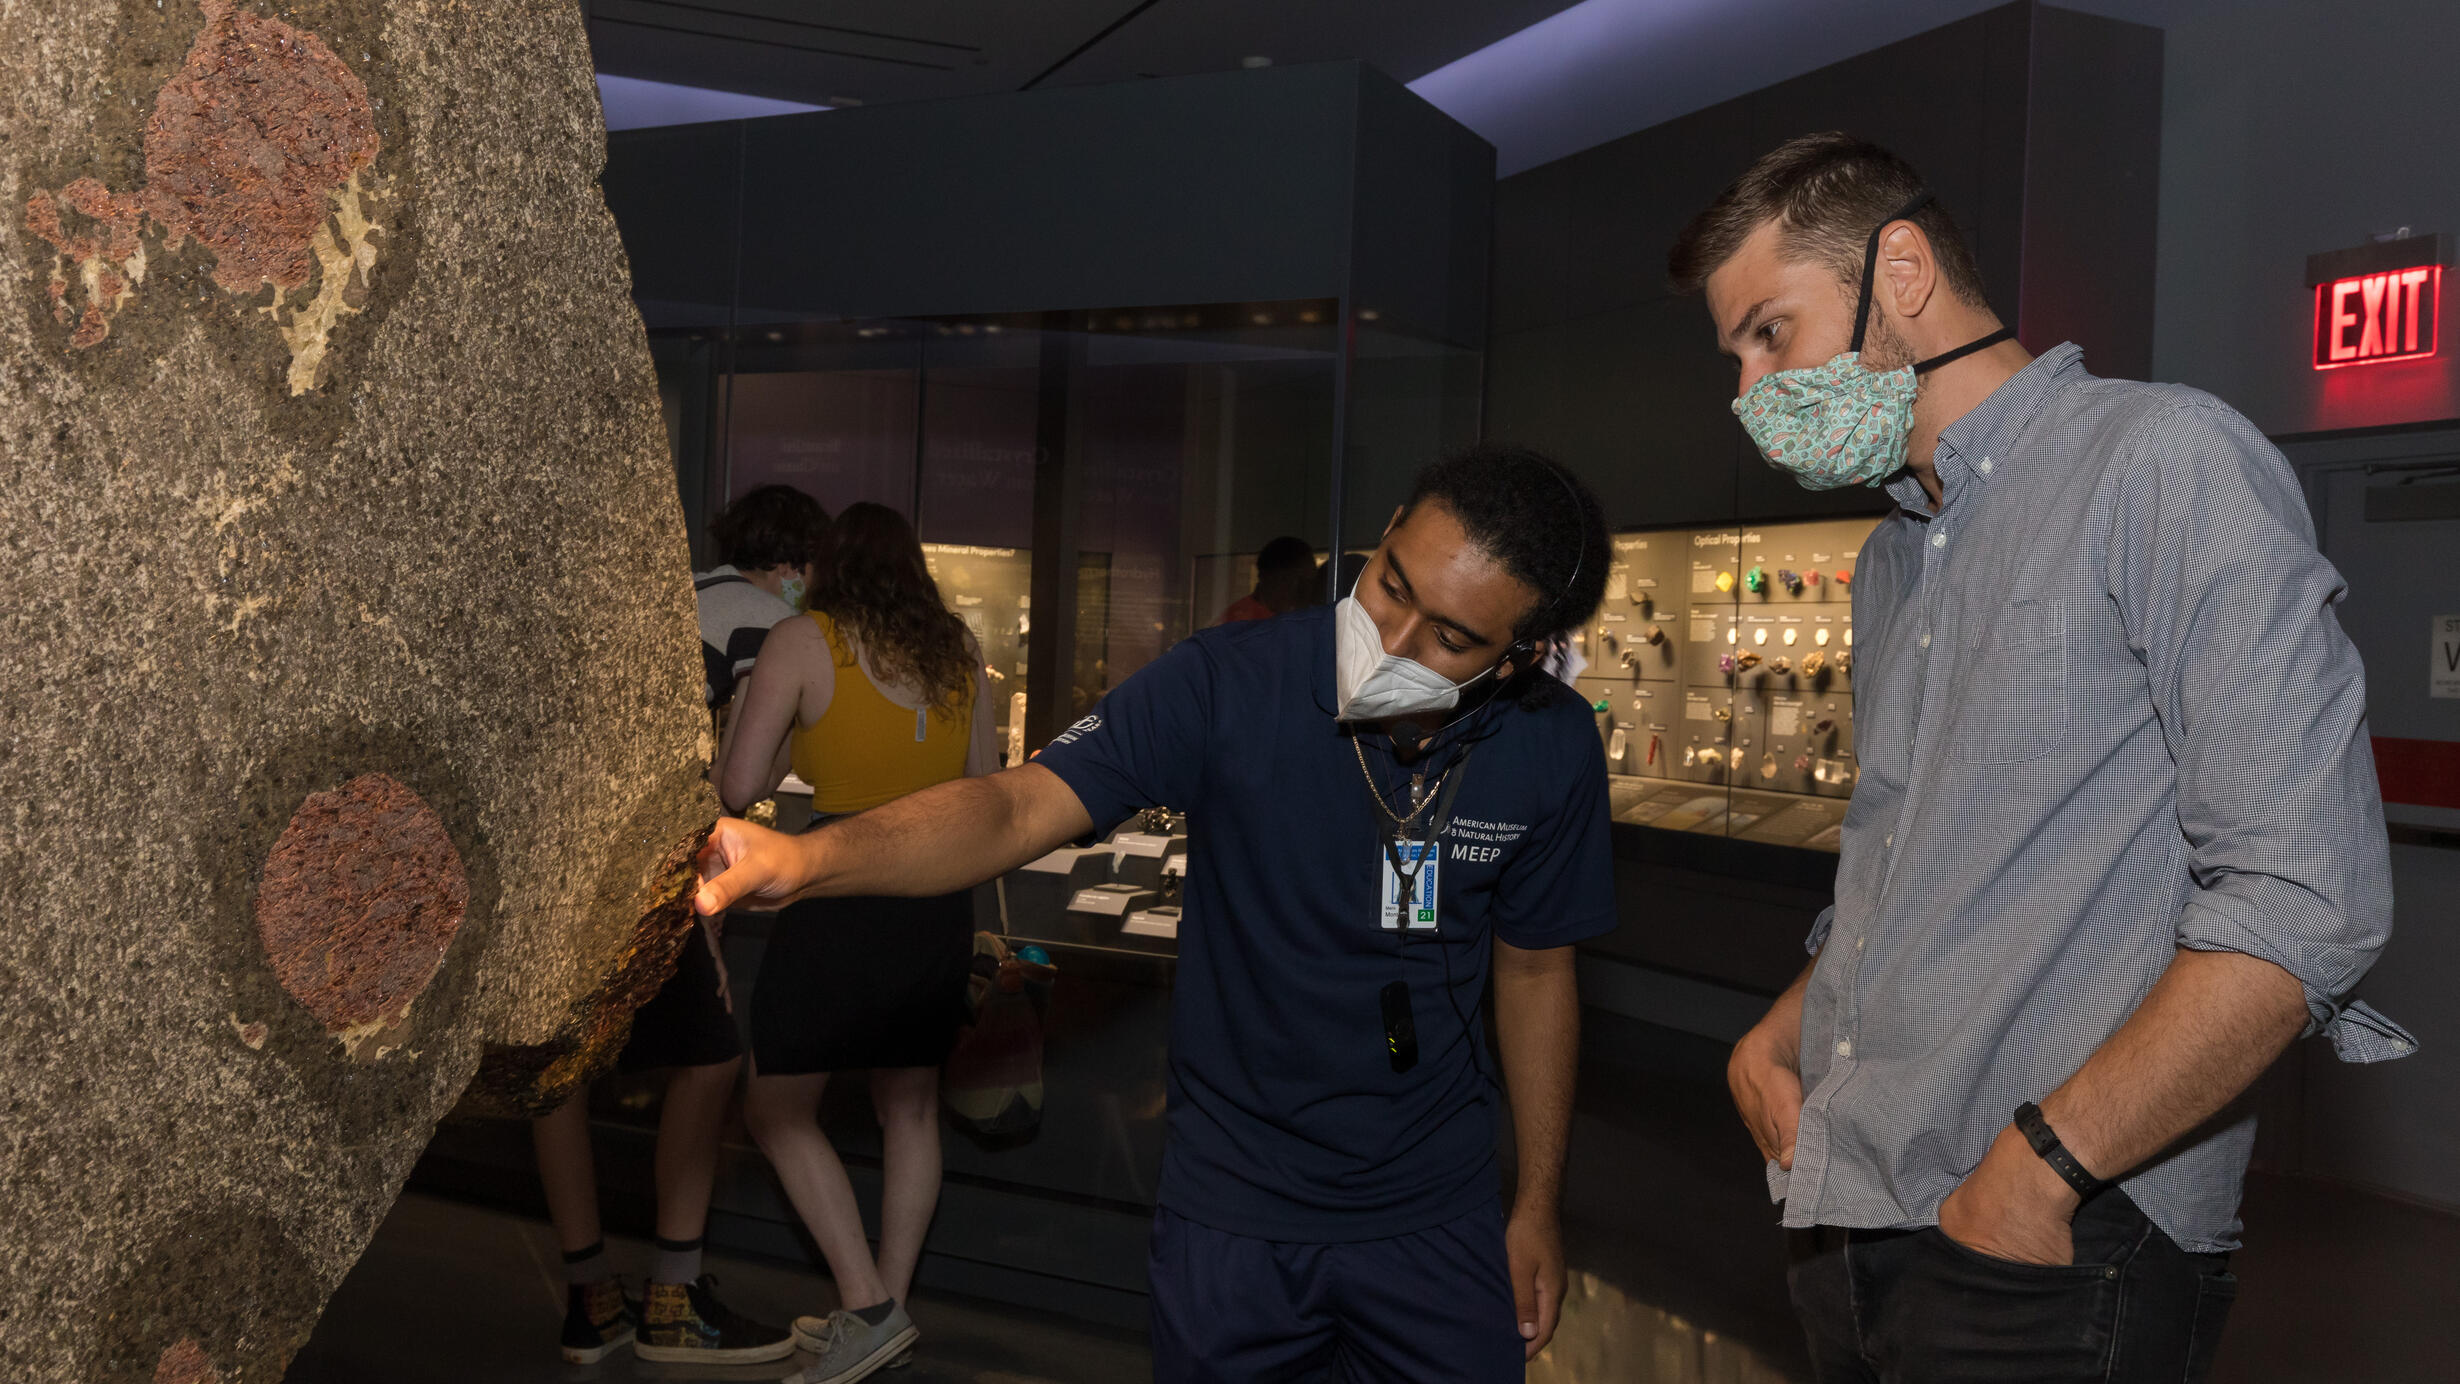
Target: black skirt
[
  {"x": 688, "y": 1023},
  {"x": 862, "y": 983}
]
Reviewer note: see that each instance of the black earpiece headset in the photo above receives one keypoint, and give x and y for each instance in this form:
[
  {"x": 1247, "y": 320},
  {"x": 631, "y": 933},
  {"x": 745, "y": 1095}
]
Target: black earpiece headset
[{"x": 1523, "y": 652}]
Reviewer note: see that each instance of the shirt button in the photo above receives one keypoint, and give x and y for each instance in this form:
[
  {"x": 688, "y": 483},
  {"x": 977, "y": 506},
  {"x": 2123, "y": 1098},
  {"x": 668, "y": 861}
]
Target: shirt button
[
  {"x": 1845, "y": 1048},
  {"x": 1891, "y": 839},
  {"x": 1859, "y": 941},
  {"x": 1985, "y": 466},
  {"x": 1926, "y": 641},
  {"x": 1938, "y": 540}
]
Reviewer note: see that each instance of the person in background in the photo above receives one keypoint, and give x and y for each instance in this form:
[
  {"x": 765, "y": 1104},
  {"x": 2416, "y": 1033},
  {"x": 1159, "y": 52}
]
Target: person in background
[
  {"x": 768, "y": 539},
  {"x": 765, "y": 544},
  {"x": 2116, "y": 841},
  {"x": 1285, "y": 581},
  {"x": 876, "y": 693},
  {"x": 1393, "y": 811}
]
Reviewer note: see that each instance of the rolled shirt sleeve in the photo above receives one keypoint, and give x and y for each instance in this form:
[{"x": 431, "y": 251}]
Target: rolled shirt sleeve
[
  {"x": 2262, "y": 703},
  {"x": 1821, "y": 926}
]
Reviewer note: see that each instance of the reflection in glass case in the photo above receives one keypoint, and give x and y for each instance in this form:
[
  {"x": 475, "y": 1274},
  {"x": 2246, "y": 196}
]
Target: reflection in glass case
[
  {"x": 1720, "y": 667},
  {"x": 991, "y": 589}
]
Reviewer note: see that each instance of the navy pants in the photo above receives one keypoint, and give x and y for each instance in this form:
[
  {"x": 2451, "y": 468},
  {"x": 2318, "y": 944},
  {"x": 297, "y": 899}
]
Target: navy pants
[
  {"x": 1914, "y": 1307},
  {"x": 1434, "y": 1307}
]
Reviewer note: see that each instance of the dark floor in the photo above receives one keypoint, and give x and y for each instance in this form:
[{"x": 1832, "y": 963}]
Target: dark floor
[
  {"x": 1677, "y": 1273},
  {"x": 450, "y": 1291}
]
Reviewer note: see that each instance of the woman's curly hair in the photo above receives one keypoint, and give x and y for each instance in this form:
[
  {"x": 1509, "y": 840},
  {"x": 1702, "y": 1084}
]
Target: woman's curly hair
[{"x": 871, "y": 580}]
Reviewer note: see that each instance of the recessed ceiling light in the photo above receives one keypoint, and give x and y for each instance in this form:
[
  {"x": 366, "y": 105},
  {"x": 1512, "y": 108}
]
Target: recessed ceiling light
[
  {"x": 1368, "y": 314},
  {"x": 1255, "y": 61}
]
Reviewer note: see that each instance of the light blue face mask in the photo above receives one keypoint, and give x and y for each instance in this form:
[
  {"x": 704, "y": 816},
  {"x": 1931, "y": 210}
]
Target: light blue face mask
[{"x": 1838, "y": 424}]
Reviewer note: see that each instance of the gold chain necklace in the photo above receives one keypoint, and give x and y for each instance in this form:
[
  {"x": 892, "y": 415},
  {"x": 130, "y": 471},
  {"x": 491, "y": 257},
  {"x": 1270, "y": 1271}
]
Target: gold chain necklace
[{"x": 1423, "y": 792}]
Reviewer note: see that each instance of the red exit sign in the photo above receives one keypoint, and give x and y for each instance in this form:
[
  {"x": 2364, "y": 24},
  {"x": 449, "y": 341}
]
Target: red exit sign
[{"x": 2378, "y": 302}]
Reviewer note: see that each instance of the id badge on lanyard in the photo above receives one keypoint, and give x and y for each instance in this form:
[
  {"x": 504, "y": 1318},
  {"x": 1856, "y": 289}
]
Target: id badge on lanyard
[{"x": 1410, "y": 892}]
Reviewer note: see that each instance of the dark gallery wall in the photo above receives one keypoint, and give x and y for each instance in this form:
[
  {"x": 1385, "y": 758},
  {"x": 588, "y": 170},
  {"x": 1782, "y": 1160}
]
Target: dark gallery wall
[
  {"x": 1078, "y": 197},
  {"x": 2038, "y": 128},
  {"x": 1073, "y": 198},
  {"x": 1326, "y": 182},
  {"x": 2291, "y": 128},
  {"x": 1419, "y": 251}
]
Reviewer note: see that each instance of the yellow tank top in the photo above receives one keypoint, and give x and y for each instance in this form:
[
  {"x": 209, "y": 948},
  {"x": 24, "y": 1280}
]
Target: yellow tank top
[{"x": 866, "y": 750}]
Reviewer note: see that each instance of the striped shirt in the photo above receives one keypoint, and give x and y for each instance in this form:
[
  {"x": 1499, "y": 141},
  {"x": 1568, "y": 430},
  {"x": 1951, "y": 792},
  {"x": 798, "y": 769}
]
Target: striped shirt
[{"x": 2103, "y": 711}]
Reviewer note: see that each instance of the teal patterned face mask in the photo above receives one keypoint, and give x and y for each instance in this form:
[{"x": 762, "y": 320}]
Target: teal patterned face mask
[
  {"x": 1838, "y": 424},
  {"x": 1831, "y": 425}
]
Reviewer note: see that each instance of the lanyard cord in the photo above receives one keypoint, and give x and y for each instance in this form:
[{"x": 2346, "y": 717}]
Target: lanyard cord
[{"x": 1449, "y": 787}]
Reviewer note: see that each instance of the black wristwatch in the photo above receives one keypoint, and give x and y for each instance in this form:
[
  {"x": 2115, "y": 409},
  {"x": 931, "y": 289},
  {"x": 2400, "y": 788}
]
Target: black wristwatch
[{"x": 2045, "y": 1141}]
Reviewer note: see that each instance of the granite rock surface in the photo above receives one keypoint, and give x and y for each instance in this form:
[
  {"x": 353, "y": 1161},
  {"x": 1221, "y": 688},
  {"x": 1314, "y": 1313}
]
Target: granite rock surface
[{"x": 350, "y": 725}]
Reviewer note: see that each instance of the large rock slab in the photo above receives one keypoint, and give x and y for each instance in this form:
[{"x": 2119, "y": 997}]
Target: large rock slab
[{"x": 350, "y": 725}]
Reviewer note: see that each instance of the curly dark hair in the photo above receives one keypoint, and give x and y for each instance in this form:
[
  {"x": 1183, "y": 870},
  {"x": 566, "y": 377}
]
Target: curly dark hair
[
  {"x": 1535, "y": 518},
  {"x": 776, "y": 525},
  {"x": 872, "y": 581}
]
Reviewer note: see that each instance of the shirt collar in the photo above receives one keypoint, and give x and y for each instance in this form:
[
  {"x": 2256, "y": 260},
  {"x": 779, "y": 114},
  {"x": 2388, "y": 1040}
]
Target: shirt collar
[{"x": 1976, "y": 445}]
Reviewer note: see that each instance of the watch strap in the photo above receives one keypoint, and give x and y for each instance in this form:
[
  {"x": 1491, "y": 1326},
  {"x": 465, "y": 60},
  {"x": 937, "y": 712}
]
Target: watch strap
[{"x": 2045, "y": 1142}]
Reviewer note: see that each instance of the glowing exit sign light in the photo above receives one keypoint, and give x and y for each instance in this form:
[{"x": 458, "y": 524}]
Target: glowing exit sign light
[{"x": 2378, "y": 302}]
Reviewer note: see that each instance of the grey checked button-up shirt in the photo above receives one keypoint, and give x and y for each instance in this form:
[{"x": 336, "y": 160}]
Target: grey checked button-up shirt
[{"x": 2103, "y": 711}]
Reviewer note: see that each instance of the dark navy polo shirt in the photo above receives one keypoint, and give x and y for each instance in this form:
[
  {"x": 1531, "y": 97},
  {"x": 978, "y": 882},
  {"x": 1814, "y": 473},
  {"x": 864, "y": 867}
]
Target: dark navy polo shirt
[{"x": 1287, "y": 1121}]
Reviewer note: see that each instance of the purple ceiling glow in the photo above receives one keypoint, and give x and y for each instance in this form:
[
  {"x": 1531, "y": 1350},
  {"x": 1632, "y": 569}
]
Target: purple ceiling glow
[
  {"x": 632, "y": 104},
  {"x": 1604, "y": 68}
]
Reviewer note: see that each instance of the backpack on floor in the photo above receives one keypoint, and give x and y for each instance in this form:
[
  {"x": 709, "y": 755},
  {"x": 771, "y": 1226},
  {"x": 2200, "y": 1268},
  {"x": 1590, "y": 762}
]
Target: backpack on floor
[{"x": 992, "y": 1085}]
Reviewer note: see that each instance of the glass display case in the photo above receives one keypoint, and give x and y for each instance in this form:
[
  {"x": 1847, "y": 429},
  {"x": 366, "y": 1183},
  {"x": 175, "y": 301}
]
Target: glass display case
[
  {"x": 1720, "y": 667},
  {"x": 1090, "y": 486}
]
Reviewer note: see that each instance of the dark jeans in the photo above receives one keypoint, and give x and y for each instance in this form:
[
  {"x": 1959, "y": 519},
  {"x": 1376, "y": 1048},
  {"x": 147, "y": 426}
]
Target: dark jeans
[{"x": 1914, "y": 1307}]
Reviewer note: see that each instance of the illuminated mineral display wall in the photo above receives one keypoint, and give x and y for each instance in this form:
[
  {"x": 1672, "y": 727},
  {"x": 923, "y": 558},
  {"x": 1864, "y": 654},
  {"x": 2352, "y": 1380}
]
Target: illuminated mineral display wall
[{"x": 351, "y": 739}]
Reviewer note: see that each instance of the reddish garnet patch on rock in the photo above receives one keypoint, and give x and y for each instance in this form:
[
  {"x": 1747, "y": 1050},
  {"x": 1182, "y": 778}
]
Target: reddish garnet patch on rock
[
  {"x": 259, "y": 128},
  {"x": 360, "y": 898},
  {"x": 185, "y": 1363},
  {"x": 260, "y": 123}
]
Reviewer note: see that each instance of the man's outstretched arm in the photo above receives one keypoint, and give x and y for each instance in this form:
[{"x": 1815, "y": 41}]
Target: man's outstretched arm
[{"x": 948, "y": 837}]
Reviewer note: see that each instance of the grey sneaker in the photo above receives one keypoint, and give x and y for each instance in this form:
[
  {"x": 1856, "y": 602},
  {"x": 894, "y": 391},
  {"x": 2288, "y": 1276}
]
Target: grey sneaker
[{"x": 848, "y": 1348}]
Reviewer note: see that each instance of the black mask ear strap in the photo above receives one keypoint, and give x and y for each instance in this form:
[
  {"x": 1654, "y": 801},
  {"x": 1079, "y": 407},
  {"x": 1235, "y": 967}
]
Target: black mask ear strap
[
  {"x": 1870, "y": 264},
  {"x": 1979, "y": 343}
]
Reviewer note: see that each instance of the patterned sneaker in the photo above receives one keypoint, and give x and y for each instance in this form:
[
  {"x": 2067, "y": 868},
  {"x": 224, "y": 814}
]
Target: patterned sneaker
[
  {"x": 597, "y": 1321},
  {"x": 850, "y": 1348},
  {"x": 686, "y": 1322}
]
